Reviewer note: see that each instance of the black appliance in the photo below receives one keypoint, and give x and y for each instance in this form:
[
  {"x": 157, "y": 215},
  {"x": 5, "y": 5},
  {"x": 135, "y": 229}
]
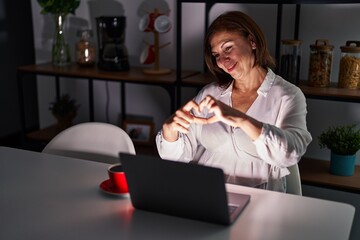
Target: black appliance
[{"x": 113, "y": 55}]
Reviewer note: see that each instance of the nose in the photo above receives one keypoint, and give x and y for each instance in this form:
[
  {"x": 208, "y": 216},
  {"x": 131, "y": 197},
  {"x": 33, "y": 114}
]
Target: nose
[{"x": 222, "y": 58}]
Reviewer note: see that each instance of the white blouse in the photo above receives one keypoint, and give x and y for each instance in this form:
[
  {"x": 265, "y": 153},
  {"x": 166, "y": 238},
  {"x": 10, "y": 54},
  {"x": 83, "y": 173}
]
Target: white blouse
[{"x": 280, "y": 105}]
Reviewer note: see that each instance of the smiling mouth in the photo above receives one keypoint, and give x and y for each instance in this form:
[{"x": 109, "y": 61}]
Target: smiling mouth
[{"x": 231, "y": 68}]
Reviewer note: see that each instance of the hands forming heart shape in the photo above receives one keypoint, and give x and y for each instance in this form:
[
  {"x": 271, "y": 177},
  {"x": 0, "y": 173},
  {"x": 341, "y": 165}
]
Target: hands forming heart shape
[{"x": 182, "y": 118}]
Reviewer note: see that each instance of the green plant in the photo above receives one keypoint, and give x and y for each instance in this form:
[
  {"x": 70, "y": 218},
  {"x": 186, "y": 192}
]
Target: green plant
[
  {"x": 63, "y": 106},
  {"x": 59, "y": 6},
  {"x": 342, "y": 140}
]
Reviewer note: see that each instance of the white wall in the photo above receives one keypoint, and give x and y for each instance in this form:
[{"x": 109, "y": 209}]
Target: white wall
[{"x": 335, "y": 22}]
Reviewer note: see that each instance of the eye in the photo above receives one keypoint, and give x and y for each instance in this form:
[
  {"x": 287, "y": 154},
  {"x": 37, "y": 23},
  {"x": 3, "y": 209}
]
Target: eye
[
  {"x": 216, "y": 56},
  {"x": 227, "y": 49}
]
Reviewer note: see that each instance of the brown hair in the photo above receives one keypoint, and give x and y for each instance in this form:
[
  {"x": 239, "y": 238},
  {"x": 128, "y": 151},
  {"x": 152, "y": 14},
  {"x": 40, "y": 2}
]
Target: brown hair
[{"x": 236, "y": 21}]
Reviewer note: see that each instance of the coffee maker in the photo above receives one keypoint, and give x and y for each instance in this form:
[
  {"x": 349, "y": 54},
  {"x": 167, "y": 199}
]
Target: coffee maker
[{"x": 113, "y": 54}]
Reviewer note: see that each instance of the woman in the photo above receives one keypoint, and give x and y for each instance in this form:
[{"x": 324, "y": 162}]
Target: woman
[{"x": 251, "y": 122}]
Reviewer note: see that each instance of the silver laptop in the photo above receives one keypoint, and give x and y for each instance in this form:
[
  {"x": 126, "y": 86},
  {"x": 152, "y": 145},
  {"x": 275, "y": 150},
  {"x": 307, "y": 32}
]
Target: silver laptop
[{"x": 181, "y": 189}]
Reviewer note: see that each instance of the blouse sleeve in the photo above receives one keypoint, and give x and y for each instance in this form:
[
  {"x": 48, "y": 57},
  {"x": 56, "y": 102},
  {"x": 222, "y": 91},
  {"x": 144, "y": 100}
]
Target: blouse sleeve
[{"x": 284, "y": 143}]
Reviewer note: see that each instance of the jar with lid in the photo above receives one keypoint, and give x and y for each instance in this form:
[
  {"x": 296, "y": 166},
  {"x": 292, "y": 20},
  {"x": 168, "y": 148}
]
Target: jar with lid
[
  {"x": 85, "y": 49},
  {"x": 349, "y": 73},
  {"x": 320, "y": 63},
  {"x": 290, "y": 60}
]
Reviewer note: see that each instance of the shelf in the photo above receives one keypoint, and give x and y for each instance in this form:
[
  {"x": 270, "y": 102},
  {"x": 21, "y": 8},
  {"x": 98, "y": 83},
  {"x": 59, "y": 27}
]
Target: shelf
[
  {"x": 331, "y": 93},
  {"x": 44, "y": 135},
  {"x": 134, "y": 75},
  {"x": 316, "y": 172},
  {"x": 198, "y": 80},
  {"x": 73, "y": 72},
  {"x": 326, "y": 93}
]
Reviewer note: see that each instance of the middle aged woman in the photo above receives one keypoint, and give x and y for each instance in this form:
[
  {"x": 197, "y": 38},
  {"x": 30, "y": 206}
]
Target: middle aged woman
[{"x": 250, "y": 122}]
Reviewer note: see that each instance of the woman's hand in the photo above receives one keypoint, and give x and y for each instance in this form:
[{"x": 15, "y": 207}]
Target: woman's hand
[
  {"x": 222, "y": 112},
  {"x": 230, "y": 116},
  {"x": 180, "y": 121}
]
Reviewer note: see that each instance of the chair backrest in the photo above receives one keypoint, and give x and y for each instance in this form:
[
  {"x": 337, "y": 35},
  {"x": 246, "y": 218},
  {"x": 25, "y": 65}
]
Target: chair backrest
[
  {"x": 95, "y": 141},
  {"x": 293, "y": 181}
]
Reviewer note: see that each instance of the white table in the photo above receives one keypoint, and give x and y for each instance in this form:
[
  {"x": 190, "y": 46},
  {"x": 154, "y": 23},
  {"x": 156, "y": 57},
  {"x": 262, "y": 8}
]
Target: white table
[{"x": 50, "y": 197}]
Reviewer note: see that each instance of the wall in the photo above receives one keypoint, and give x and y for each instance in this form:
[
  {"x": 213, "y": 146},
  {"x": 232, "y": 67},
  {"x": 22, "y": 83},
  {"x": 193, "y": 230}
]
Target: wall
[
  {"x": 16, "y": 47},
  {"x": 316, "y": 23}
]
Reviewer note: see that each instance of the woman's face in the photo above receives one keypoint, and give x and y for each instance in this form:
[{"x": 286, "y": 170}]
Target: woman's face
[{"x": 233, "y": 53}]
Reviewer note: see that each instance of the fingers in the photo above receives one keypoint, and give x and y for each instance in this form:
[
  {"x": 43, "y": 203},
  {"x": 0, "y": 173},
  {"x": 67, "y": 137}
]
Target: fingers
[
  {"x": 180, "y": 121},
  {"x": 183, "y": 117},
  {"x": 180, "y": 128},
  {"x": 174, "y": 125},
  {"x": 208, "y": 102},
  {"x": 191, "y": 105}
]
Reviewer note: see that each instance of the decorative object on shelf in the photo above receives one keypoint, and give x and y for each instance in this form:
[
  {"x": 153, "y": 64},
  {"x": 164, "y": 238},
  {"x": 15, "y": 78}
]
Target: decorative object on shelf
[
  {"x": 64, "y": 110},
  {"x": 85, "y": 50},
  {"x": 320, "y": 63},
  {"x": 147, "y": 55},
  {"x": 155, "y": 22},
  {"x": 290, "y": 60},
  {"x": 349, "y": 74},
  {"x": 60, "y": 53},
  {"x": 113, "y": 55},
  {"x": 140, "y": 129},
  {"x": 343, "y": 142},
  {"x": 59, "y": 9}
]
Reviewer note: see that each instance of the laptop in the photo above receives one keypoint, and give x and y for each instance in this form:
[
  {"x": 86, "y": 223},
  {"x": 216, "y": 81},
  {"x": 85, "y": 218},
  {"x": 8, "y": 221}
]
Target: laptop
[{"x": 181, "y": 189}]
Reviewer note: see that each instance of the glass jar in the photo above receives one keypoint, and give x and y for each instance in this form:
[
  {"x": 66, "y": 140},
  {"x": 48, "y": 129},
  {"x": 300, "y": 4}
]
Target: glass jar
[
  {"x": 290, "y": 60},
  {"x": 320, "y": 63},
  {"x": 349, "y": 74},
  {"x": 85, "y": 49}
]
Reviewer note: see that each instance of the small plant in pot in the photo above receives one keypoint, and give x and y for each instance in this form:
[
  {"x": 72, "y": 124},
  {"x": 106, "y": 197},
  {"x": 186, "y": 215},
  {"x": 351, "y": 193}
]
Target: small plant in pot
[
  {"x": 343, "y": 142},
  {"x": 64, "y": 110}
]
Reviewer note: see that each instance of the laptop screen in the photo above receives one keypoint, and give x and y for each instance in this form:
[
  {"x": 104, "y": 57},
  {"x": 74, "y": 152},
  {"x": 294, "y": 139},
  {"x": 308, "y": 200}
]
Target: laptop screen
[{"x": 177, "y": 188}]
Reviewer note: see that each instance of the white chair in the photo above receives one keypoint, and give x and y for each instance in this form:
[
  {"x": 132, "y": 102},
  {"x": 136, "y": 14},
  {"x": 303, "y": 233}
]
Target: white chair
[
  {"x": 93, "y": 141},
  {"x": 293, "y": 181}
]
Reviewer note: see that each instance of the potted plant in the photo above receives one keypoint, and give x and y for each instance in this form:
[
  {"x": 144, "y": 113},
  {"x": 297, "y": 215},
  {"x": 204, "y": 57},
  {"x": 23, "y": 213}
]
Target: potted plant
[
  {"x": 64, "y": 110},
  {"x": 343, "y": 142},
  {"x": 59, "y": 6},
  {"x": 59, "y": 10}
]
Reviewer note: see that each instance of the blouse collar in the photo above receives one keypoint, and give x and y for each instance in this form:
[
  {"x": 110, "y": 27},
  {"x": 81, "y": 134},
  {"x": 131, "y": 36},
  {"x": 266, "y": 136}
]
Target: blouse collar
[
  {"x": 268, "y": 82},
  {"x": 264, "y": 87}
]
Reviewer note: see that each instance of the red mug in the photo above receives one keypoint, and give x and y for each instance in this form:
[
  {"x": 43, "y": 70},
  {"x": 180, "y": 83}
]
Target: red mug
[
  {"x": 147, "y": 55},
  {"x": 146, "y": 23},
  {"x": 117, "y": 178}
]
